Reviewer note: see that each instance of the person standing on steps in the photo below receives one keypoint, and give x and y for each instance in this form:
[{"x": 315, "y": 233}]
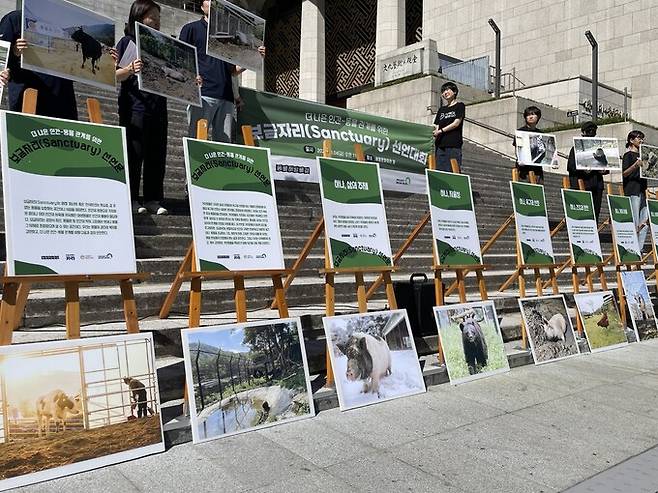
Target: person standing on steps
[
  {"x": 531, "y": 115},
  {"x": 634, "y": 186},
  {"x": 448, "y": 126}
]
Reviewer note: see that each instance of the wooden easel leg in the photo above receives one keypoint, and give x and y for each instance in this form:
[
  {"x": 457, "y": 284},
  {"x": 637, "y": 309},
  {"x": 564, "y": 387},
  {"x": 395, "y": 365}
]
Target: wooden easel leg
[
  {"x": 21, "y": 302},
  {"x": 575, "y": 280},
  {"x": 602, "y": 279},
  {"x": 510, "y": 280},
  {"x": 439, "y": 294},
  {"x": 482, "y": 285},
  {"x": 361, "y": 292},
  {"x": 194, "y": 314},
  {"x": 589, "y": 280},
  {"x": 390, "y": 292},
  {"x": 524, "y": 336},
  {"x": 280, "y": 296},
  {"x": 185, "y": 266},
  {"x": 129, "y": 306},
  {"x": 553, "y": 280},
  {"x": 72, "y": 295},
  {"x": 538, "y": 283},
  {"x": 330, "y": 303},
  {"x": 7, "y": 308},
  {"x": 622, "y": 299},
  {"x": 461, "y": 285},
  {"x": 240, "y": 299}
]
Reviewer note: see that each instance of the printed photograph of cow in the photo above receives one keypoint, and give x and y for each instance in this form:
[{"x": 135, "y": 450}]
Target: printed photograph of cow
[
  {"x": 547, "y": 323},
  {"x": 649, "y": 165},
  {"x": 471, "y": 340},
  {"x": 170, "y": 66},
  {"x": 373, "y": 357},
  {"x": 639, "y": 304},
  {"x": 535, "y": 149},
  {"x": 72, "y": 406},
  {"x": 234, "y": 35},
  {"x": 246, "y": 376},
  {"x": 601, "y": 321},
  {"x": 68, "y": 41},
  {"x": 597, "y": 153}
]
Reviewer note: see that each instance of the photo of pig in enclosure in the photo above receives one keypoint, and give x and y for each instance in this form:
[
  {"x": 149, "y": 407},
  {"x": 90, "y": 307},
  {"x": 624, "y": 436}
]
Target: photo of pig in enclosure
[
  {"x": 234, "y": 35},
  {"x": 71, "y": 406},
  {"x": 597, "y": 153},
  {"x": 639, "y": 304},
  {"x": 601, "y": 321},
  {"x": 471, "y": 340},
  {"x": 68, "y": 41},
  {"x": 649, "y": 166},
  {"x": 549, "y": 328},
  {"x": 170, "y": 66},
  {"x": 373, "y": 357},
  {"x": 246, "y": 376},
  {"x": 535, "y": 149}
]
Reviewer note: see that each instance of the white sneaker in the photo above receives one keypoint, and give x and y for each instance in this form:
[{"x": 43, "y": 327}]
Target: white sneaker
[
  {"x": 138, "y": 208},
  {"x": 154, "y": 207}
]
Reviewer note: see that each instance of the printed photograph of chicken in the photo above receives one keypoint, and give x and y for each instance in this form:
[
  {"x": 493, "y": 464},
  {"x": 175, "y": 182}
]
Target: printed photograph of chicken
[
  {"x": 649, "y": 165},
  {"x": 601, "y": 321},
  {"x": 549, "y": 328}
]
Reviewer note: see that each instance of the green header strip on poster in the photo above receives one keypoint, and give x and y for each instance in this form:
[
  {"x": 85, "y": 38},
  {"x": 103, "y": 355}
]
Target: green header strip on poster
[
  {"x": 297, "y": 128},
  {"x": 620, "y": 208},
  {"x": 450, "y": 191},
  {"x": 64, "y": 148},
  {"x": 653, "y": 211},
  {"x": 350, "y": 182},
  {"x": 529, "y": 199},
  {"x": 578, "y": 205}
]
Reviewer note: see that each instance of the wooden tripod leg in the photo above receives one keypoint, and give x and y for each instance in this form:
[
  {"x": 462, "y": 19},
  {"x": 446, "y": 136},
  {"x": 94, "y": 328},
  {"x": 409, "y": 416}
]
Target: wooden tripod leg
[
  {"x": 129, "y": 306},
  {"x": 481, "y": 285},
  {"x": 589, "y": 280},
  {"x": 553, "y": 280},
  {"x": 602, "y": 279},
  {"x": 240, "y": 299},
  {"x": 390, "y": 292},
  {"x": 194, "y": 313},
  {"x": 361, "y": 292},
  {"x": 7, "y": 308},
  {"x": 461, "y": 285},
  {"x": 622, "y": 300},
  {"x": 330, "y": 302},
  {"x": 185, "y": 266},
  {"x": 21, "y": 302},
  {"x": 538, "y": 283},
  {"x": 439, "y": 293},
  {"x": 524, "y": 335},
  {"x": 72, "y": 295},
  {"x": 280, "y": 296}
]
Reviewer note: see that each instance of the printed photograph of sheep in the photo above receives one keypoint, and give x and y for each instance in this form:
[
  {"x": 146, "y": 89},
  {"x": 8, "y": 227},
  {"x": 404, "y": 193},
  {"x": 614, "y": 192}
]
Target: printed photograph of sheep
[
  {"x": 597, "y": 153},
  {"x": 549, "y": 328},
  {"x": 170, "y": 66},
  {"x": 639, "y": 304},
  {"x": 234, "y": 34},
  {"x": 243, "y": 377},
  {"x": 649, "y": 165},
  {"x": 601, "y": 321},
  {"x": 68, "y": 41},
  {"x": 471, "y": 340},
  {"x": 373, "y": 357},
  {"x": 72, "y": 406}
]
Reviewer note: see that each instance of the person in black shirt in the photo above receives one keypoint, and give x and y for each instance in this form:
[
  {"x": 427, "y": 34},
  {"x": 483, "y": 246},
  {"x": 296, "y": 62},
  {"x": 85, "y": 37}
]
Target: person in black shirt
[
  {"x": 56, "y": 97},
  {"x": 592, "y": 180},
  {"x": 448, "y": 126},
  {"x": 531, "y": 115},
  {"x": 634, "y": 186}
]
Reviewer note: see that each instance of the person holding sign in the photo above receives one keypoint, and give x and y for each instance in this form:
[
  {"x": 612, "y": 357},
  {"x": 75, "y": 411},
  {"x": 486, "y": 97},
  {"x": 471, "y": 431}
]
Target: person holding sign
[
  {"x": 448, "y": 126},
  {"x": 531, "y": 115},
  {"x": 635, "y": 187}
]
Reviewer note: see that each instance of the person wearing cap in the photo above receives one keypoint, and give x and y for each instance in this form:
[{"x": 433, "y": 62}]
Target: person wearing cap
[
  {"x": 635, "y": 187},
  {"x": 593, "y": 180}
]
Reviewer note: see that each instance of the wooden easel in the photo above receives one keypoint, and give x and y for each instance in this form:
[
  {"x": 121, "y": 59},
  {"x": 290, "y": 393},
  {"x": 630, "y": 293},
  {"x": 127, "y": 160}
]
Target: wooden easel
[
  {"x": 187, "y": 272},
  {"x": 654, "y": 275},
  {"x": 16, "y": 289}
]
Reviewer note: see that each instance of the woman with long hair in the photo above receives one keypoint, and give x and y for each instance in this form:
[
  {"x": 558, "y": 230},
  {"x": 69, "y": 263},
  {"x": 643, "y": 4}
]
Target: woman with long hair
[{"x": 634, "y": 186}]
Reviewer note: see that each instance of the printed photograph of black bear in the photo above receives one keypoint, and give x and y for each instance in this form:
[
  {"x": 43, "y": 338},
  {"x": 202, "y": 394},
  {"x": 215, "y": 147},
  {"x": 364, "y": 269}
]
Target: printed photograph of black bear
[
  {"x": 471, "y": 340},
  {"x": 549, "y": 328}
]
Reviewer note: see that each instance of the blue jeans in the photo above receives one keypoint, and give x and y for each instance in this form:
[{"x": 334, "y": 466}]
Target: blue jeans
[
  {"x": 640, "y": 216},
  {"x": 443, "y": 157}
]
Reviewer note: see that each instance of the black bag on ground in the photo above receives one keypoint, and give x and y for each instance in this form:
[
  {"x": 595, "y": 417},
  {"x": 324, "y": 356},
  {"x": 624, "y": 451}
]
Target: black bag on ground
[{"x": 417, "y": 296}]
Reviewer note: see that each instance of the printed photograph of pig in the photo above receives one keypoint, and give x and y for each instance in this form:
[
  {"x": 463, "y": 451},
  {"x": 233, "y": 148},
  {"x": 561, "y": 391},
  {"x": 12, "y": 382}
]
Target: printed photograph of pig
[
  {"x": 601, "y": 321},
  {"x": 471, "y": 340},
  {"x": 71, "y": 406},
  {"x": 373, "y": 357},
  {"x": 549, "y": 328}
]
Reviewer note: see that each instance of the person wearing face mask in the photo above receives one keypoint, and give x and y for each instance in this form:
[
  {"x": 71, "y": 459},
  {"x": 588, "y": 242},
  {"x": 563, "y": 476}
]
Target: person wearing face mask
[
  {"x": 144, "y": 116},
  {"x": 635, "y": 187},
  {"x": 448, "y": 126},
  {"x": 593, "y": 180}
]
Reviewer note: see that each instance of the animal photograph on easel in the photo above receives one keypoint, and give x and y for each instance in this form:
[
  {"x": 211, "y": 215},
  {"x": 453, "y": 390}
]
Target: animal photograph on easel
[
  {"x": 471, "y": 340},
  {"x": 639, "y": 304},
  {"x": 71, "y": 406},
  {"x": 373, "y": 357},
  {"x": 601, "y": 321},
  {"x": 549, "y": 328}
]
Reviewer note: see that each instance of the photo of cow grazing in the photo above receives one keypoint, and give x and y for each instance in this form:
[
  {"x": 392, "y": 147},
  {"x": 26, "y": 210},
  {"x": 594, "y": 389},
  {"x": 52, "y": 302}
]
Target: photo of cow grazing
[
  {"x": 91, "y": 49},
  {"x": 56, "y": 407}
]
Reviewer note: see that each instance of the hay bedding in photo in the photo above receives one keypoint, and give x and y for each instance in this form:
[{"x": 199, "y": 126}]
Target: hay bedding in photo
[{"x": 548, "y": 345}]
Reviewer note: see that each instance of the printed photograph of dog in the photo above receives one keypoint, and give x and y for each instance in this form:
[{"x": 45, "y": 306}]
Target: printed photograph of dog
[
  {"x": 597, "y": 153},
  {"x": 471, "y": 340},
  {"x": 649, "y": 166},
  {"x": 601, "y": 321},
  {"x": 68, "y": 41},
  {"x": 639, "y": 304},
  {"x": 535, "y": 149},
  {"x": 549, "y": 328},
  {"x": 373, "y": 357},
  {"x": 71, "y": 406}
]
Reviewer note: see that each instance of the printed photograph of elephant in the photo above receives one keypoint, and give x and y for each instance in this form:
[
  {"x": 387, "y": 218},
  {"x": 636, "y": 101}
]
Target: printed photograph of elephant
[
  {"x": 72, "y": 406},
  {"x": 639, "y": 304},
  {"x": 471, "y": 340},
  {"x": 549, "y": 328},
  {"x": 601, "y": 321},
  {"x": 373, "y": 357},
  {"x": 68, "y": 41}
]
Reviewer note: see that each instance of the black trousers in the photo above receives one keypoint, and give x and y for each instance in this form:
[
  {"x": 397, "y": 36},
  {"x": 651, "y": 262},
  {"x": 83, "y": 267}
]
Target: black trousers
[{"x": 146, "y": 137}]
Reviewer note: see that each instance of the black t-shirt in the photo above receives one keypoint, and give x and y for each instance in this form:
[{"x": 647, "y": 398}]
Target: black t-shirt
[
  {"x": 593, "y": 179},
  {"x": 56, "y": 97},
  {"x": 131, "y": 99},
  {"x": 445, "y": 116},
  {"x": 525, "y": 170},
  {"x": 633, "y": 184},
  {"x": 216, "y": 73}
]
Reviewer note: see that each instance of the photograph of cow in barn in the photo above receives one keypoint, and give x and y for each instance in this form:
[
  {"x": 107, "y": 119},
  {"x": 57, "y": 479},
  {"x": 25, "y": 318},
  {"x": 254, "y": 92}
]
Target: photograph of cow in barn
[
  {"x": 471, "y": 340},
  {"x": 65, "y": 407},
  {"x": 601, "y": 321},
  {"x": 246, "y": 376},
  {"x": 68, "y": 41},
  {"x": 639, "y": 304},
  {"x": 373, "y": 357},
  {"x": 547, "y": 323}
]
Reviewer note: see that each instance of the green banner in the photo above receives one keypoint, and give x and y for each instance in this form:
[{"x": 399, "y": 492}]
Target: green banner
[
  {"x": 582, "y": 227},
  {"x": 623, "y": 228},
  {"x": 653, "y": 221},
  {"x": 294, "y": 130},
  {"x": 531, "y": 222}
]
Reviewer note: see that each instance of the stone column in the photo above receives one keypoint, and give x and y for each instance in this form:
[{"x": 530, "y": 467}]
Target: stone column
[
  {"x": 311, "y": 52},
  {"x": 391, "y": 26}
]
